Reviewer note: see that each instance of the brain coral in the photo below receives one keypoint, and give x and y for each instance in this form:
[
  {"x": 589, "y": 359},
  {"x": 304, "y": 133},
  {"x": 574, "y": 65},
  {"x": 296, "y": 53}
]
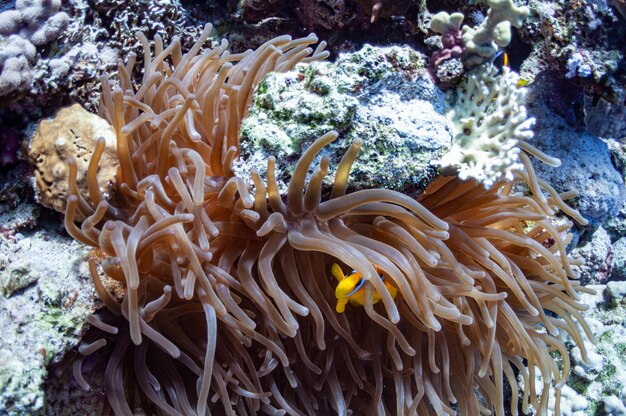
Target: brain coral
[{"x": 230, "y": 306}]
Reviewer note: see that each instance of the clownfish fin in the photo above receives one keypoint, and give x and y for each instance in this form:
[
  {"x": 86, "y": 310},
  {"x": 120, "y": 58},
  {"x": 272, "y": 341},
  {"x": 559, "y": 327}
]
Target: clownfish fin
[
  {"x": 341, "y": 305},
  {"x": 501, "y": 60},
  {"x": 336, "y": 271}
]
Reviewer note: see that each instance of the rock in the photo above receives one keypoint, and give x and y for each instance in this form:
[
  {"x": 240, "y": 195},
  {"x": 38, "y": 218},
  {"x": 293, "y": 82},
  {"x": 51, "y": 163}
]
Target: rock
[
  {"x": 606, "y": 120},
  {"x": 583, "y": 43},
  {"x": 381, "y": 96},
  {"x": 72, "y": 133},
  {"x": 597, "y": 256},
  {"x": 44, "y": 316},
  {"x": 615, "y": 291},
  {"x": 324, "y": 14},
  {"x": 614, "y": 406},
  {"x": 586, "y": 163},
  {"x": 618, "y": 270},
  {"x": 598, "y": 383}
]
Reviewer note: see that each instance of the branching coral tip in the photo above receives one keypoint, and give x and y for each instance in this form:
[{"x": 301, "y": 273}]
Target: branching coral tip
[{"x": 352, "y": 288}]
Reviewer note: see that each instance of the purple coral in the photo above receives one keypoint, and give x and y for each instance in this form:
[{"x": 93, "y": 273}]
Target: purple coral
[
  {"x": 452, "y": 42},
  {"x": 449, "y": 27}
]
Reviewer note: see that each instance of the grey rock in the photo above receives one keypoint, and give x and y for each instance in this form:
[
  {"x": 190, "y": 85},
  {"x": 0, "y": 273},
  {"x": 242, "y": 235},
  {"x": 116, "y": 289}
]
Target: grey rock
[
  {"x": 597, "y": 255},
  {"x": 586, "y": 161},
  {"x": 50, "y": 298},
  {"x": 615, "y": 291},
  {"x": 579, "y": 42},
  {"x": 618, "y": 269},
  {"x": 605, "y": 119},
  {"x": 382, "y": 96}
]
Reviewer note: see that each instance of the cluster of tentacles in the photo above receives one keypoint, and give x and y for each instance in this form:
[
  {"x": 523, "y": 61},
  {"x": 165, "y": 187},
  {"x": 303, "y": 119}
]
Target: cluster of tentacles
[{"x": 229, "y": 301}]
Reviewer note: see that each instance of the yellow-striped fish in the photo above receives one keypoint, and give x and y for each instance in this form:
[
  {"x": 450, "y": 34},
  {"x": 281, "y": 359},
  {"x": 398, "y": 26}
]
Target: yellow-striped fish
[{"x": 351, "y": 288}]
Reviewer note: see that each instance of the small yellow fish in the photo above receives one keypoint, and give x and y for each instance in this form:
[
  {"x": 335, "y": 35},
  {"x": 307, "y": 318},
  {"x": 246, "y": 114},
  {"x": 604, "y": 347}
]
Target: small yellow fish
[{"x": 350, "y": 288}]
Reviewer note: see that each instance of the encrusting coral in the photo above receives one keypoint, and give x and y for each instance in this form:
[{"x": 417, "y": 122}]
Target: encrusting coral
[
  {"x": 229, "y": 302},
  {"x": 73, "y": 132}
]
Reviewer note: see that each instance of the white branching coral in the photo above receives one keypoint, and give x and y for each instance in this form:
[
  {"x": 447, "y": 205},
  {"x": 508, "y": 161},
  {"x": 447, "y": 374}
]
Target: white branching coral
[
  {"x": 482, "y": 42},
  {"x": 490, "y": 127}
]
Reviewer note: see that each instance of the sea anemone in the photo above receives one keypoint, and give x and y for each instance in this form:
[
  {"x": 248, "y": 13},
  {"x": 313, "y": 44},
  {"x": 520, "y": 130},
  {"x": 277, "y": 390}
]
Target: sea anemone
[{"x": 229, "y": 303}]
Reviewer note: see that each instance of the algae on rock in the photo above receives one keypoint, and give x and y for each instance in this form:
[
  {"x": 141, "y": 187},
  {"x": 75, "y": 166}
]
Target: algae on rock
[
  {"x": 42, "y": 313},
  {"x": 382, "y": 96}
]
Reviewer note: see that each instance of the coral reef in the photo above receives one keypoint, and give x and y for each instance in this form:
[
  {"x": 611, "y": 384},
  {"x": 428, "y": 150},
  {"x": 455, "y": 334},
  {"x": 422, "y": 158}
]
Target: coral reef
[
  {"x": 328, "y": 15},
  {"x": 475, "y": 45},
  {"x": 618, "y": 264},
  {"x": 45, "y": 298},
  {"x": 68, "y": 70},
  {"x": 596, "y": 387},
  {"x": 38, "y": 21},
  {"x": 378, "y": 98},
  {"x": 481, "y": 43},
  {"x": 16, "y": 55},
  {"x": 449, "y": 27},
  {"x": 32, "y": 23},
  {"x": 194, "y": 244},
  {"x": 345, "y": 24},
  {"x": 11, "y": 144},
  {"x": 597, "y": 258},
  {"x": 379, "y": 9},
  {"x": 605, "y": 119},
  {"x": 583, "y": 40}
]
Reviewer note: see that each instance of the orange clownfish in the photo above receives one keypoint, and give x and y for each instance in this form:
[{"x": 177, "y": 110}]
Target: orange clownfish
[{"x": 351, "y": 288}]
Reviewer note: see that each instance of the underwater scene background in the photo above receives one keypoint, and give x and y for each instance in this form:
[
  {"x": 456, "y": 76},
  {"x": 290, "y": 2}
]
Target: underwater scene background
[{"x": 312, "y": 207}]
